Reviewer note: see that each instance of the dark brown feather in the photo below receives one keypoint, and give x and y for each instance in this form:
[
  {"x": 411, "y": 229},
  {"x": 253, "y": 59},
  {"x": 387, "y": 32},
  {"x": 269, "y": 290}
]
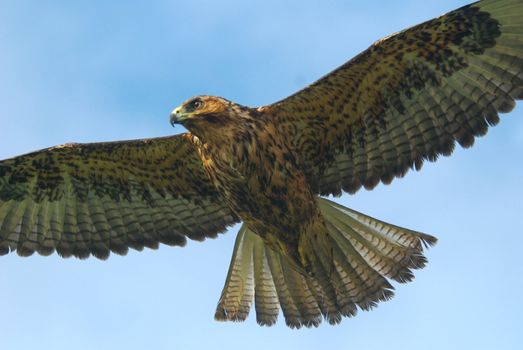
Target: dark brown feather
[
  {"x": 407, "y": 99},
  {"x": 93, "y": 199}
]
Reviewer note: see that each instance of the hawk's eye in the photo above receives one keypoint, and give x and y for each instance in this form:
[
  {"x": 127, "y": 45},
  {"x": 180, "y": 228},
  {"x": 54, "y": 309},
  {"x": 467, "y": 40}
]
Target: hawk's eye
[{"x": 196, "y": 104}]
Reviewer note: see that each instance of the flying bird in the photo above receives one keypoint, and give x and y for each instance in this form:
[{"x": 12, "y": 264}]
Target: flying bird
[{"x": 408, "y": 98}]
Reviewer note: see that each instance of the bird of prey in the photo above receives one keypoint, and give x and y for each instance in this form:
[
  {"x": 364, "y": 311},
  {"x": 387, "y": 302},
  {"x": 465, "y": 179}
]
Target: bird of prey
[{"x": 408, "y": 98}]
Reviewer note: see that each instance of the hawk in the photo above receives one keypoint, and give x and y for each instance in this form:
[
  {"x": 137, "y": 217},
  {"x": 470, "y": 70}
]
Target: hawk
[{"x": 408, "y": 98}]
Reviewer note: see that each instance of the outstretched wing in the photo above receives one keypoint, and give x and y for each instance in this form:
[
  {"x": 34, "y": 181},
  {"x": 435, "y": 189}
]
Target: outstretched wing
[
  {"x": 408, "y": 98},
  {"x": 82, "y": 199}
]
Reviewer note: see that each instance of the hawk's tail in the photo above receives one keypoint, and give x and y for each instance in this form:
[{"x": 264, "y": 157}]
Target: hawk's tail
[{"x": 362, "y": 253}]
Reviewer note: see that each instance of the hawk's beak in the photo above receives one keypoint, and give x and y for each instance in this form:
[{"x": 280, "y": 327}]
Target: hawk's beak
[{"x": 177, "y": 117}]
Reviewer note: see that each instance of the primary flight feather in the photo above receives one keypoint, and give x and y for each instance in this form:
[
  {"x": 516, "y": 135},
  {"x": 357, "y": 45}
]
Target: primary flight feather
[{"x": 408, "y": 98}]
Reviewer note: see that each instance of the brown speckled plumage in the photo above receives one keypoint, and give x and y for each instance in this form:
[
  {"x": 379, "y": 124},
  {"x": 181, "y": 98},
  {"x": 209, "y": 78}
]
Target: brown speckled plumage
[
  {"x": 82, "y": 199},
  {"x": 406, "y": 99}
]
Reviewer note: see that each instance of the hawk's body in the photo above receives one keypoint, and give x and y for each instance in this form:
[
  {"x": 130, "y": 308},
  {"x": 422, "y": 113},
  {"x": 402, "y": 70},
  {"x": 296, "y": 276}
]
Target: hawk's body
[
  {"x": 406, "y": 99},
  {"x": 254, "y": 168}
]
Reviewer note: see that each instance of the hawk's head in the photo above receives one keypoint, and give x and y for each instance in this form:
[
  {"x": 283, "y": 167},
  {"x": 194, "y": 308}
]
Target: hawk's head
[{"x": 202, "y": 114}]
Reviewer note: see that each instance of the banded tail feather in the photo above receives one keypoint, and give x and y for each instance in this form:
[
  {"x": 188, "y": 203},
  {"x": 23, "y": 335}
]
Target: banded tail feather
[{"x": 365, "y": 253}]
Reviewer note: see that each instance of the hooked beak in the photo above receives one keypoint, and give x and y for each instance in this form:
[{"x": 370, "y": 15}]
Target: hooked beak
[{"x": 177, "y": 117}]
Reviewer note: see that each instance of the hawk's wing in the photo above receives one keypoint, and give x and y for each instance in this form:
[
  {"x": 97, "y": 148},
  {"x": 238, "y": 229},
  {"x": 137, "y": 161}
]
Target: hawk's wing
[
  {"x": 82, "y": 199},
  {"x": 407, "y": 98}
]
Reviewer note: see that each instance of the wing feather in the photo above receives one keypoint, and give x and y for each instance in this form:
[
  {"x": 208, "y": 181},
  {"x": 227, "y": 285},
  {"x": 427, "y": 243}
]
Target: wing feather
[
  {"x": 93, "y": 199},
  {"x": 408, "y": 98}
]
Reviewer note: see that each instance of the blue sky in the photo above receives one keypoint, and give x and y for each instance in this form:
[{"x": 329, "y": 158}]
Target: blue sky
[{"x": 96, "y": 70}]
